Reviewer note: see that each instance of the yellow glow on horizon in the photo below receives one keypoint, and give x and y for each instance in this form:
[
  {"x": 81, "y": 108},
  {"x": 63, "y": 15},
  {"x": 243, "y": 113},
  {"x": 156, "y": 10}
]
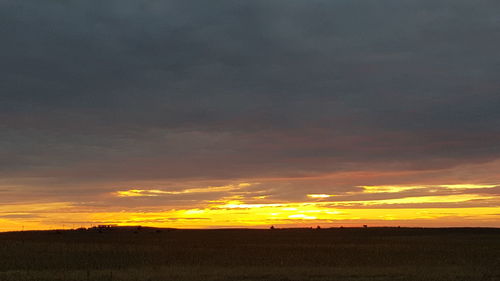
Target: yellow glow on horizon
[
  {"x": 239, "y": 208},
  {"x": 301, "y": 216},
  {"x": 267, "y": 215},
  {"x": 194, "y": 211},
  {"x": 255, "y": 215}
]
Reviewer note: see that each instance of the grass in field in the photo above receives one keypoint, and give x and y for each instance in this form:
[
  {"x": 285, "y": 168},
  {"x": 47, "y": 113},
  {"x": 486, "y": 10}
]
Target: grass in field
[{"x": 294, "y": 254}]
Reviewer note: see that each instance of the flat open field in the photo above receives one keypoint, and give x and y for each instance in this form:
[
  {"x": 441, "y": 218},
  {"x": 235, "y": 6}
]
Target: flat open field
[{"x": 280, "y": 254}]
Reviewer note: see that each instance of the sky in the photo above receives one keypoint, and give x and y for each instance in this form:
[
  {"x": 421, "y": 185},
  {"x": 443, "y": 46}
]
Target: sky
[{"x": 214, "y": 114}]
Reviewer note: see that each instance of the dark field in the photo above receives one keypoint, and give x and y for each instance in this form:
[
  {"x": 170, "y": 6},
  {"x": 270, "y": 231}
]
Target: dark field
[{"x": 285, "y": 254}]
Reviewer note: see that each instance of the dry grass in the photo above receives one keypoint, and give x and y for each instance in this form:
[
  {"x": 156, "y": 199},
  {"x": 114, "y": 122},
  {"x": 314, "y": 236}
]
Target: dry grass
[{"x": 296, "y": 254}]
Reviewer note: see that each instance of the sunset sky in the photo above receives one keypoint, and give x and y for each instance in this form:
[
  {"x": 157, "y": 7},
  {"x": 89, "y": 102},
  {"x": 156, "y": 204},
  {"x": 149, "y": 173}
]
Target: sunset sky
[{"x": 236, "y": 113}]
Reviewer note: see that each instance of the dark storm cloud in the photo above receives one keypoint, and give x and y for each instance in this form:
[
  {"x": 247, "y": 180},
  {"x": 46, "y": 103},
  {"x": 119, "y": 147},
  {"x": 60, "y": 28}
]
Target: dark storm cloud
[{"x": 103, "y": 91}]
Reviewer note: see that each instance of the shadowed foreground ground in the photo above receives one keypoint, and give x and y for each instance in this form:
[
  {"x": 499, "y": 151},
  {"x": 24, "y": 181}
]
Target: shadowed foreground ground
[{"x": 285, "y": 254}]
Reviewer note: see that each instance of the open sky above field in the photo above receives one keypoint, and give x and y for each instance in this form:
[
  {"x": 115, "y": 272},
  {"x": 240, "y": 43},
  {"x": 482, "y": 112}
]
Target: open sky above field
[{"x": 242, "y": 113}]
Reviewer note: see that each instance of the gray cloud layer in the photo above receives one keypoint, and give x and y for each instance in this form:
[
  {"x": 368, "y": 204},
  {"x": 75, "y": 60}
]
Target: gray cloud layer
[{"x": 103, "y": 91}]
